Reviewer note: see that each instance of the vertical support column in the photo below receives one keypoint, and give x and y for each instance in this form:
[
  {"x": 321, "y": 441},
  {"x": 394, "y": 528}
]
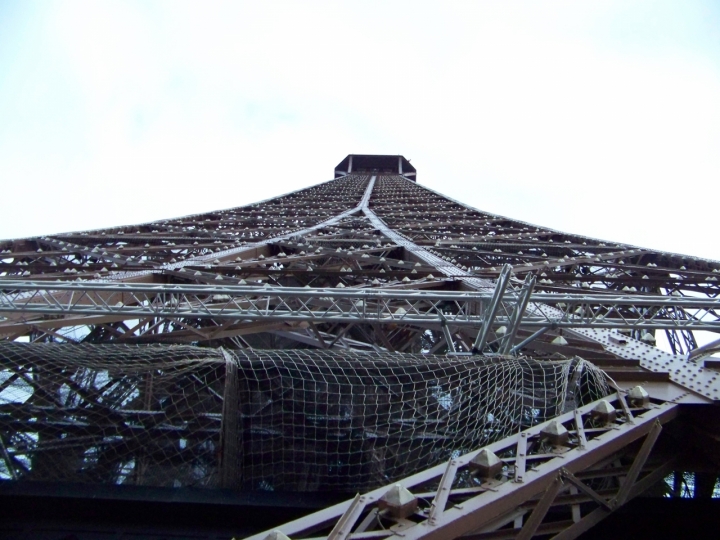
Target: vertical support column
[
  {"x": 492, "y": 309},
  {"x": 517, "y": 314},
  {"x": 231, "y": 443},
  {"x": 400, "y": 165},
  {"x": 447, "y": 335},
  {"x": 142, "y": 461},
  {"x": 520, "y": 458},
  {"x": 350, "y": 165}
]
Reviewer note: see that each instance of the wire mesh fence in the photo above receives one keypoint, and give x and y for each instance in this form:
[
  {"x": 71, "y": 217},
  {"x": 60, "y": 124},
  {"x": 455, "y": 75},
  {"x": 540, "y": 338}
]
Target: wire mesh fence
[{"x": 296, "y": 420}]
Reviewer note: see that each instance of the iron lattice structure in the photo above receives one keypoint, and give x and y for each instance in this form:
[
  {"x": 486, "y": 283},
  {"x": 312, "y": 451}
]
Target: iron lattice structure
[{"x": 340, "y": 337}]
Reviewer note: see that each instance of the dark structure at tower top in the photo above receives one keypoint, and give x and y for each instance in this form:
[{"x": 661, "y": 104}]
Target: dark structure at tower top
[{"x": 371, "y": 163}]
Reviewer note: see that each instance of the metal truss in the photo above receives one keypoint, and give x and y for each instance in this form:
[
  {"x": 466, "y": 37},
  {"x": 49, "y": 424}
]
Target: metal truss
[
  {"x": 554, "y": 479},
  {"x": 379, "y": 263},
  {"x": 334, "y": 261},
  {"x": 384, "y": 306}
]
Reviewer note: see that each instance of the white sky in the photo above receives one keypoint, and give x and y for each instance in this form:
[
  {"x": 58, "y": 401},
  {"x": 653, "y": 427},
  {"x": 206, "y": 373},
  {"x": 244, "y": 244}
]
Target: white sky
[{"x": 601, "y": 118}]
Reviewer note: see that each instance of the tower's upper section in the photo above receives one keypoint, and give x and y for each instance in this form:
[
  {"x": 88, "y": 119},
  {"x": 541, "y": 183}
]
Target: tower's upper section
[{"x": 368, "y": 163}]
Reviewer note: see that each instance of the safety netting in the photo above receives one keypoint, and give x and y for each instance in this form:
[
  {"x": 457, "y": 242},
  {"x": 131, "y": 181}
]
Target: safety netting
[{"x": 300, "y": 420}]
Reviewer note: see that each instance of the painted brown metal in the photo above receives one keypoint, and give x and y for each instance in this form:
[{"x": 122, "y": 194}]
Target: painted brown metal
[
  {"x": 520, "y": 488},
  {"x": 377, "y": 230}
]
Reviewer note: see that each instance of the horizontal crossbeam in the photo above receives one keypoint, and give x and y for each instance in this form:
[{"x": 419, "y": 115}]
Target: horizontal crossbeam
[{"x": 21, "y": 299}]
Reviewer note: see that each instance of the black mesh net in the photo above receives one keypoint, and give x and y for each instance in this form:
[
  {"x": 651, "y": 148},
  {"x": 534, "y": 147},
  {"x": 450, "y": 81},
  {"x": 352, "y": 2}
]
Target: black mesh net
[{"x": 265, "y": 419}]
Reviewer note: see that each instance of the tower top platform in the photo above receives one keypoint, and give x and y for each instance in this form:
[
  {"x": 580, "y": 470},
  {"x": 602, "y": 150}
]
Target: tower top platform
[{"x": 373, "y": 163}]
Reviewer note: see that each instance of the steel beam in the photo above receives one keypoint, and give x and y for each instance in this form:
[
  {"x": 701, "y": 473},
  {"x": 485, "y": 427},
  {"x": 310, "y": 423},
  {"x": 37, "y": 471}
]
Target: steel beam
[
  {"x": 235, "y": 302},
  {"x": 446, "y": 519}
]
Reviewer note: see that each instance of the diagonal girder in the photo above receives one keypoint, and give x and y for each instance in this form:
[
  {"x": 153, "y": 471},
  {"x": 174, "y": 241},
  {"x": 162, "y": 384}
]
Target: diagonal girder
[{"x": 454, "y": 510}]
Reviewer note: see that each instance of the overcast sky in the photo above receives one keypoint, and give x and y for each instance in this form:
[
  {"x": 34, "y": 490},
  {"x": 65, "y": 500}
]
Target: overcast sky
[{"x": 601, "y": 118}]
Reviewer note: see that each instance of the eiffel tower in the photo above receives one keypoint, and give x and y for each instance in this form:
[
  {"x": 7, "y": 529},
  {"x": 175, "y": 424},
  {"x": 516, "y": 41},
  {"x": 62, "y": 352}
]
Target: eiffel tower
[{"x": 466, "y": 374}]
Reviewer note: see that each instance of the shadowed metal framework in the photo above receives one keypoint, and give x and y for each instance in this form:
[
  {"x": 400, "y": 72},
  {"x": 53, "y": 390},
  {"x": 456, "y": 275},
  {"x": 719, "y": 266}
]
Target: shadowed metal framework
[{"x": 368, "y": 265}]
